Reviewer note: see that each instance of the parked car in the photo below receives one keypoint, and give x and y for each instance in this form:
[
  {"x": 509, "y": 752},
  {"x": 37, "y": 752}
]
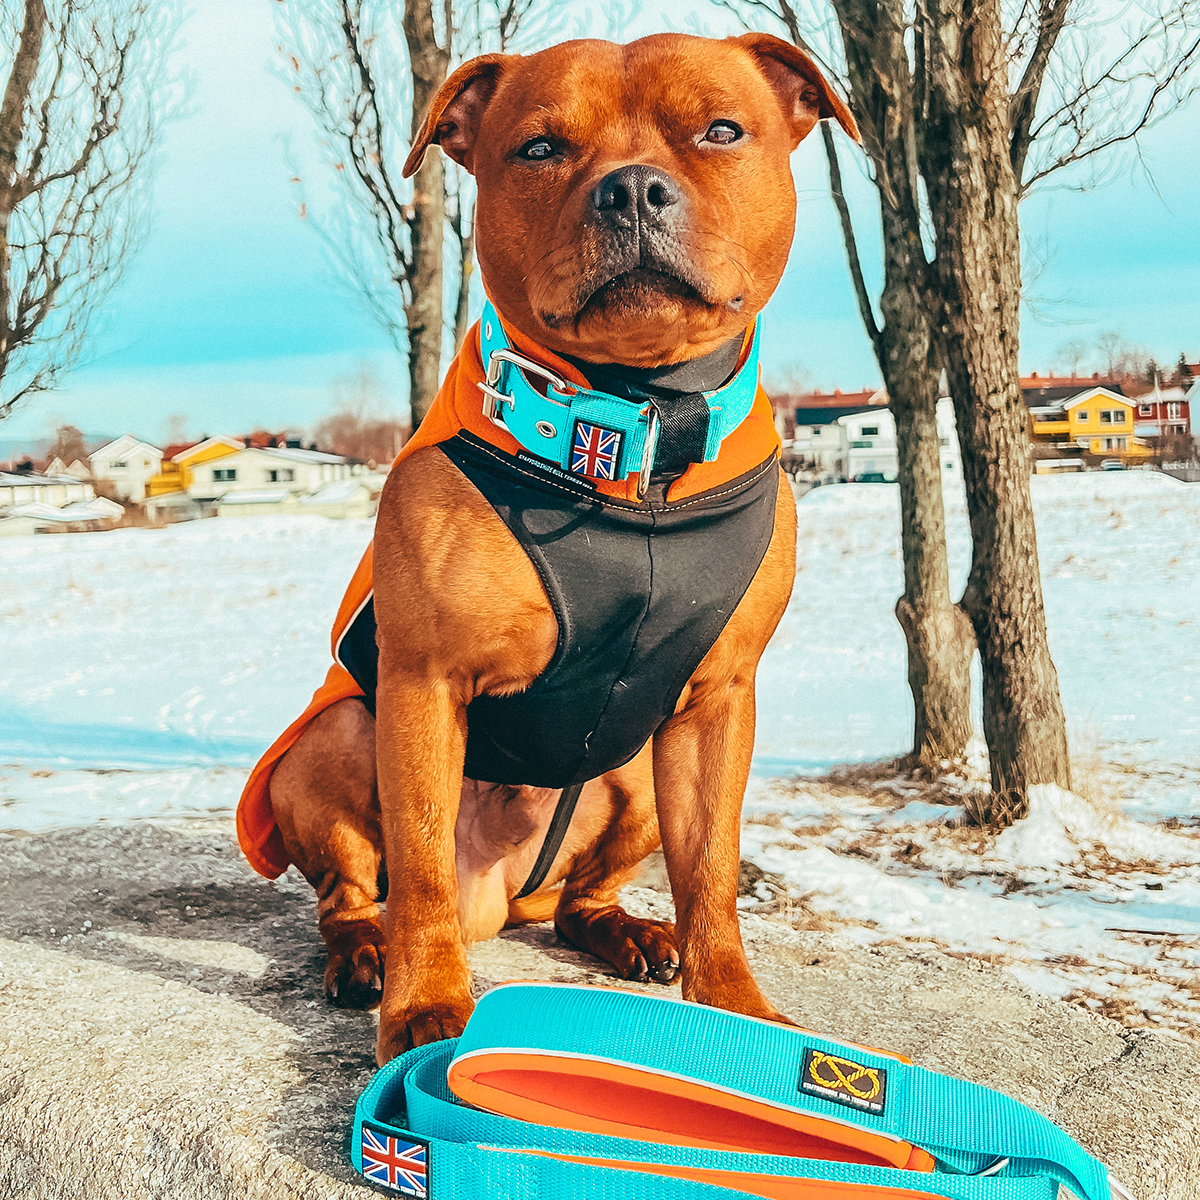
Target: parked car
[
  {"x": 869, "y": 477},
  {"x": 1112, "y": 464}
]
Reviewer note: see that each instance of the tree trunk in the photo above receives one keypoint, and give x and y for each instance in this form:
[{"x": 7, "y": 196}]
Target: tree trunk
[
  {"x": 426, "y": 226},
  {"x": 973, "y": 197},
  {"x": 941, "y": 643},
  {"x": 466, "y": 268},
  {"x": 423, "y": 310},
  {"x": 939, "y": 637}
]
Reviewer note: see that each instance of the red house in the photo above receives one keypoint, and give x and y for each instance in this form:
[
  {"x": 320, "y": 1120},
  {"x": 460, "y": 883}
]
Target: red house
[{"x": 1162, "y": 412}]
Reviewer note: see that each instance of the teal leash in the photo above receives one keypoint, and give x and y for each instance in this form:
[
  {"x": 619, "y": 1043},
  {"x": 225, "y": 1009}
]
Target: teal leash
[{"x": 987, "y": 1145}]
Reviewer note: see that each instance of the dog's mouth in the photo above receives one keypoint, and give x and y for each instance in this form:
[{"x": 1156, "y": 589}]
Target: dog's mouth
[
  {"x": 636, "y": 290},
  {"x": 639, "y": 286}
]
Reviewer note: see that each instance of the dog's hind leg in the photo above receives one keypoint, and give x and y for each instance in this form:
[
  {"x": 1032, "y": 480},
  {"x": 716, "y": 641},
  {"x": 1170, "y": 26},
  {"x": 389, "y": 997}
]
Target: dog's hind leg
[
  {"x": 327, "y": 807},
  {"x": 588, "y": 914}
]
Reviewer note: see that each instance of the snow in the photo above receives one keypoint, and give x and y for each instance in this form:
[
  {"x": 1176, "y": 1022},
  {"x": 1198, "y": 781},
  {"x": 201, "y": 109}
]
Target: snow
[{"x": 143, "y": 671}]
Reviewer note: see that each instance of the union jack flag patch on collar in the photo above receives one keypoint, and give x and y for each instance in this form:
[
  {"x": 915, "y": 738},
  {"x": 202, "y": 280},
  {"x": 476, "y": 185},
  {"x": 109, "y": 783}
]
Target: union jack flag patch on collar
[
  {"x": 396, "y": 1163},
  {"x": 595, "y": 451}
]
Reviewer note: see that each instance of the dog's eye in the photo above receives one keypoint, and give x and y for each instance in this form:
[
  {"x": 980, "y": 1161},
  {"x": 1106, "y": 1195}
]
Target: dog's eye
[
  {"x": 722, "y": 133},
  {"x": 537, "y": 149}
]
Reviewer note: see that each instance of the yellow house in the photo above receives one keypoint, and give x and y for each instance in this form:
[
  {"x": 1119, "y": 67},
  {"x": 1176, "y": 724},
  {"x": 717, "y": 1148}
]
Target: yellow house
[
  {"x": 1096, "y": 420},
  {"x": 176, "y": 472}
]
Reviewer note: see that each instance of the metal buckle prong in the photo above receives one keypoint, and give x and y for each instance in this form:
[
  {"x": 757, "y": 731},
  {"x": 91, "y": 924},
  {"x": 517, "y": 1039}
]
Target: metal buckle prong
[
  {"x": 493, "y": 398},
  {"x": 648, "y": 451}
]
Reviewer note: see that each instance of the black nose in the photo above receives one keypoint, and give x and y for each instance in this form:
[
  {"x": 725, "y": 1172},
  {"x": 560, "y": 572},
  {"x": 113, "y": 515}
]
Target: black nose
[{"x": 635, "y": 191}]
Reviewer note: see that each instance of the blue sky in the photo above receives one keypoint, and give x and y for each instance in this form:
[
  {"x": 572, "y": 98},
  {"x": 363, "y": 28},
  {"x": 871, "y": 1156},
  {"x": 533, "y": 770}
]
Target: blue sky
[{"x": 229, "y": 315}]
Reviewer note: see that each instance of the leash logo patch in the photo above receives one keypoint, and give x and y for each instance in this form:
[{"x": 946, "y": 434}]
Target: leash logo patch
[
  {"x": 398, "y": 1164},
  {"x": 844, "y": 1081},
  {"x": 595, "y": 451}
]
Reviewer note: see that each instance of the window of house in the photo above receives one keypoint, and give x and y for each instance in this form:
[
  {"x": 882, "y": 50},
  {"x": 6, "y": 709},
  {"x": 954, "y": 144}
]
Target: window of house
[
  {"x": 281, "y": 475},
  {"x": 1174, "y": 412},
  {"x": 1122, "y": 443},
  {"x": 224, "y": 474},
  {"x": 1083, "y": 414},
  {"x": 869, "y": 431},
  {"x": 120, "y": 465},
  {"x": 1105, "y": 416},
  {"x": 1118, "y": 416},
  {"x": 1179, "y": 429},
  {"x": 1145, "y": 410},
  {"x": 816, "y": 431}
]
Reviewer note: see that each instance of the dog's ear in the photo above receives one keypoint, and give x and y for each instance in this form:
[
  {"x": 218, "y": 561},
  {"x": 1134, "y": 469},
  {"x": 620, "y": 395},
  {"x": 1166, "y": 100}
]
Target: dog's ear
[
  {"x": 804, "y": 93},
  {"x": 453, "y": 118}
]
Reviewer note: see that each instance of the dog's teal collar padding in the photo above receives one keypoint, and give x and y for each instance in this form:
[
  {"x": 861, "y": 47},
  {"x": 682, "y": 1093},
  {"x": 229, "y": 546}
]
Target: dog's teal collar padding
[
  {"x": 473, "y": 1154},
  {"x": 547, "y": 425}
]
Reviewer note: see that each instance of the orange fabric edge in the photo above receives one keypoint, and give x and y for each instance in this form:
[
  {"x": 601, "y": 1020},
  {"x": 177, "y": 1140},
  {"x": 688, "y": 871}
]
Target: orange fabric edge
[
  {"x": 465, "y": 1080},
  {"x": 771, "y": 1187}
]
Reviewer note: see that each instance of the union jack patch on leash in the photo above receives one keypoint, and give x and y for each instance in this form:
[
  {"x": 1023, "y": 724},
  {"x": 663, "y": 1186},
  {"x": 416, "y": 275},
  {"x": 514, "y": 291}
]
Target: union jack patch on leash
[
  {"x": 595, "y": 451},
  {"x": 400, "y": 1165}
]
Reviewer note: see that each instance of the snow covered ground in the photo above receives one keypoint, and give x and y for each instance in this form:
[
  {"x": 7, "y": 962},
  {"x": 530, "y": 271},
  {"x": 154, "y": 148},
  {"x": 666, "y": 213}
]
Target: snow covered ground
[{"x": 142, "y": 671}]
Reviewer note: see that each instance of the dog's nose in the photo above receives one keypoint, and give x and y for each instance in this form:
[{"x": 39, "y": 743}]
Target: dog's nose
[{"x": 635, "y": 191}]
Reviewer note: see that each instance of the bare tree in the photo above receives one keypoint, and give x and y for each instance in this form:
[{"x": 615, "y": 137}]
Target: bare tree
[
  {"x": 359, "y": 426},
  {"x": 68, "y": 446},
  {"x": 367, "y": 71},
  {"x": 81, "y": 106},
  {"x": 962, "y": 114}
]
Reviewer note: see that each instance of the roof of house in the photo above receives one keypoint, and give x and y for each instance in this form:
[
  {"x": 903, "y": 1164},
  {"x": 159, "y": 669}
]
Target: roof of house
[
  {"x": 1056, "y": 396},
  {"x": 339, "y": 491},
  {"x": 257, "y": 496},
  {"x": 122, "y": 445},
  {"x": 20, "y": 479},
  {"x": 219, "y": 440},
  {"x": 291, "y": 454},
  {"x": 839, "y": 399},
  {"x": 828, "y": 415}
]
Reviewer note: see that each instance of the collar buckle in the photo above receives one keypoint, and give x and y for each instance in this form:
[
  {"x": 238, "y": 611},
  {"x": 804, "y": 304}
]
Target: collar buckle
[
  {"x": 494, "y": 399},
  {"x": 648, "y": 450}
]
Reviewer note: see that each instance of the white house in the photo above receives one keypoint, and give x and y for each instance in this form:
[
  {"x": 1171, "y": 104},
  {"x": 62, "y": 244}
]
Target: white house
[
  {"x": 79, "y": 516},
  {"x": 847, "y": 442},
  {"x": 266, "y": 477},
  {"x": 17, "y": 487},
  {"x": 127, "y": 464}
]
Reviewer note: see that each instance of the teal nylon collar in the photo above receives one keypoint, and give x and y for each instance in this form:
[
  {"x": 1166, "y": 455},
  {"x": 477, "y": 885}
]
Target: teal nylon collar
[
  {"x": 590, "y": 433},
  {"x": 468, "y": 1154}
]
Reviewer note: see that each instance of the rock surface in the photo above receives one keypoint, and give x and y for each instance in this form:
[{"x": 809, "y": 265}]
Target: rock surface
[{"x": 163, "y": 1032}]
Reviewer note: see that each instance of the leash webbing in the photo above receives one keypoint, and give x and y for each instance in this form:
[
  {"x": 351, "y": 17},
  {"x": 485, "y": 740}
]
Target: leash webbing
[
  {"x": 475, "y": 1155},
  {"x": 968, "y": 1129}
]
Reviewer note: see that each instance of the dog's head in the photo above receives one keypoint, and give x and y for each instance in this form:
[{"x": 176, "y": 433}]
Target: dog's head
[{"x": 636, "y": 202}]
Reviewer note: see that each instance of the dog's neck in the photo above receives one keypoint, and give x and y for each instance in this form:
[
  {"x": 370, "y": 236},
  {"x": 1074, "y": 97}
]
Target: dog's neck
[{"x": 704, "y": 374}]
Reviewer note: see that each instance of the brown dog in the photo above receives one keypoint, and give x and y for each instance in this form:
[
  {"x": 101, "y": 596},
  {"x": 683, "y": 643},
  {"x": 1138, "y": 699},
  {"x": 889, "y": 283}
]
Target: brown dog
[{"x": 636, "y": 206}]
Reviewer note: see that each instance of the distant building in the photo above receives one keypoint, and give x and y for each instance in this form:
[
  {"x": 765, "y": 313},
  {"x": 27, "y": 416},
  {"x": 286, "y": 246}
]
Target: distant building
[
  {"x": 844, "y": 442},
  {"x": 127, "y": 464},
  {"x": 28, "y": 487},
  {"x": 1096, "y": 420},
  {"x": 167, "y": 493},
  {"x": 1163, "y": 412},
  {"x": 266, "y": 477}
]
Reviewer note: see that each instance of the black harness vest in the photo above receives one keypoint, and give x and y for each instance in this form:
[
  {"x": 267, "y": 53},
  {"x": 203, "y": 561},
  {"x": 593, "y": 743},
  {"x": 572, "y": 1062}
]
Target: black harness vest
[{"x": 640, "y": 591}]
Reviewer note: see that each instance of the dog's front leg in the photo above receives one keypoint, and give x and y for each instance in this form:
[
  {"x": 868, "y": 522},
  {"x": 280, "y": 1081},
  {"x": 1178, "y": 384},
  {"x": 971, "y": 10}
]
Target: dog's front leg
[
  {"x": 421, "y": 741},
  {"x": 701, "y": 765}
]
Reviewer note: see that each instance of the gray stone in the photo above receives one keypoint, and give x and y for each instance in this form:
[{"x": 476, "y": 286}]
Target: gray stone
[{"x": 163, "y": 1033}]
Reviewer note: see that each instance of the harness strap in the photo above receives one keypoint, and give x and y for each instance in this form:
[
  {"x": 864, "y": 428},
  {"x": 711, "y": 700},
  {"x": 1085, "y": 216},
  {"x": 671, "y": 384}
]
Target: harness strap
[{"x": 554, "y": 838}]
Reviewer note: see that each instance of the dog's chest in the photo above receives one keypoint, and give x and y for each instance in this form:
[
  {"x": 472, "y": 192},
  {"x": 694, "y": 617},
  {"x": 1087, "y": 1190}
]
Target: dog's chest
[{"x": 640, "y": 594}]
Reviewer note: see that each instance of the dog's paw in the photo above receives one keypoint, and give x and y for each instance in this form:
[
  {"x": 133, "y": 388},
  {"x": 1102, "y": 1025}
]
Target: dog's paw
[
  {"x": 419, "y": 1027},
  {"x": 354, "y": 976},
  {"x": 640, "y": 950}
]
